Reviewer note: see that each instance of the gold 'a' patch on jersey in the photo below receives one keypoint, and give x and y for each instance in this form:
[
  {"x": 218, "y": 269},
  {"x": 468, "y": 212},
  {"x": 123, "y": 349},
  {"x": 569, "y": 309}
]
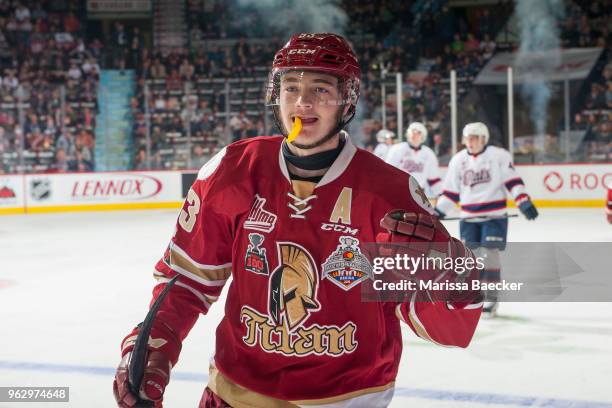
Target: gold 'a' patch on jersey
[{"x": 342, "y": 208}]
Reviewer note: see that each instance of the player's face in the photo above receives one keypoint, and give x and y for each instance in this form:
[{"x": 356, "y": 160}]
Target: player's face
[
  {"x": 474, "y": 143},
  {"x": 316, "y": 99},
  {"x": 414, "y": 138}
]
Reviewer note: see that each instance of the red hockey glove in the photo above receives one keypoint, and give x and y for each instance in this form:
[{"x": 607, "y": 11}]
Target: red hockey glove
[
  {"x": 422, "y": 235},
  {"x": 163, "y": 350}
]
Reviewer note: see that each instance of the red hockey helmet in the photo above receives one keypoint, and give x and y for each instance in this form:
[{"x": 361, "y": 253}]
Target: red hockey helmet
[{"x": 318, "y": 52}]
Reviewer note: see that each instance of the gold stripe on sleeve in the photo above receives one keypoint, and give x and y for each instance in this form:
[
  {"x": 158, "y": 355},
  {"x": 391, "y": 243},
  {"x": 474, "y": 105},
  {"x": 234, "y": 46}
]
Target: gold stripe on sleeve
[{"x": 177, "y": 259}]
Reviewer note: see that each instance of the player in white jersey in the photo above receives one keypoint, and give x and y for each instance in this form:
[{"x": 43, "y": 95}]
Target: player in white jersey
[
  {"x": 479, "y": 179},
  {"x": 417, "y": 159},
  {"x": 385, "y": 140}
]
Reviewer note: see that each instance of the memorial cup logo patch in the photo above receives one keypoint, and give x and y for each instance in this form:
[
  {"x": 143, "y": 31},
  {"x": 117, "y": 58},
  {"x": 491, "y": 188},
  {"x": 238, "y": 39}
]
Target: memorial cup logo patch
[
  {"x": 255, "y": 259},
  {"x": 347, "y": 266}
]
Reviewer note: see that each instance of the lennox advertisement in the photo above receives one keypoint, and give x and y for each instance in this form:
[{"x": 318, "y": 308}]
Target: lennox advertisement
[{"x": 129, "y": 188}]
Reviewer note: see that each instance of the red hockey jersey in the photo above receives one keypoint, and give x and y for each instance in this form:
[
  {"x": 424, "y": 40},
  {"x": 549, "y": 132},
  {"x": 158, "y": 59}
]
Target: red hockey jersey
[{"x": 295, "y": 330}]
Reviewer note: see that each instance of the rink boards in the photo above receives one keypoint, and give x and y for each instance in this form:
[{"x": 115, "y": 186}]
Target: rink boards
[{"x": 565, "y": 185}]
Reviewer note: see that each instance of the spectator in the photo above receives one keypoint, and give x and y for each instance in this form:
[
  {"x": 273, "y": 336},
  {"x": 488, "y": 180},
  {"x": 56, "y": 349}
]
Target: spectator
[
  {"x": 487, "y": 47},
  {"x": 471, "y": 44},
  {"x": 74, "y": 72},
  {"x": 79, "y": 163},
  {"x": 186, "y": 70},
  {"x": 71, "y": 23},
  {"x": 174, "y": 81},
  {"x": 198, "y": 157},
  {"x": 485, "y": 23},
  {"x": 158, "y": 70},
  {"x": 91, "y": 69},
  {"x": 447, "y": 24},
  {"x": 10, "y": 82},
  {"x": 596, "y": 99},
  {"x": 136, "y": 45},
  {"x": 22, "y": 13},
  {"x": 579, "y": 123},
  {"x": 66, "y": 142},
  {"x": 61, "y": 164},
  {"x": 120, "y": 45},
  {"x": 140, "y": 161},
  {"x": 237, "y": 125},
  {"x": 458, "y": 45}
]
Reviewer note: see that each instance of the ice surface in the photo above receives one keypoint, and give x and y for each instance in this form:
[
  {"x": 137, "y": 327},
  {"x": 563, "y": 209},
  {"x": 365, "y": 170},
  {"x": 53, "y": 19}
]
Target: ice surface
[{"x": 73, "y": 284}]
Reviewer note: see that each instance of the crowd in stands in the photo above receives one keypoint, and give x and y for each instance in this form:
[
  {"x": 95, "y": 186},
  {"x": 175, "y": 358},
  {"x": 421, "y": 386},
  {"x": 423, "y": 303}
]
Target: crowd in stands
[
  {"x": 48, "y": 91},
  {"x": 184, "y": 91},
  {"x": 465, "y": 45},
  {"x": 441, "y": 42},
  {"x": 48, "y": 59},
  {"x": 587, "y": 24}
]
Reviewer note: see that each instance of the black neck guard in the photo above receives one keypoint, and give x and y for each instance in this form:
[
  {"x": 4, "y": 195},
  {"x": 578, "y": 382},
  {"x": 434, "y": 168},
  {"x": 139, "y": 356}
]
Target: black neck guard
[{"x": 317, "y": 161}]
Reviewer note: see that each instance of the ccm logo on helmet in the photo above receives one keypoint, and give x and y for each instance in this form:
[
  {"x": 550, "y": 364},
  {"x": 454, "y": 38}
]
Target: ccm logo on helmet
[{"x": 302, "y": 51}]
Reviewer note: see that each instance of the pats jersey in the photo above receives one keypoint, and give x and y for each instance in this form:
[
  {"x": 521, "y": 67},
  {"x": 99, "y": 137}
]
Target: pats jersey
[
  {"x": 478, "y": 183},
  {"x": 421, "y": 163},
  {"x": 295, "y": 331},
  {"x": 381, "y": 150}
]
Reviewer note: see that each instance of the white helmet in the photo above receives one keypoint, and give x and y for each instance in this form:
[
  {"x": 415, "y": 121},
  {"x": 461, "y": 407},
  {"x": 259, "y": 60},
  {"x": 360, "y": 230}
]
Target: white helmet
[
  {"x": 477, "y": 129},
  {"x": 419, "y": 127},
  {"x": 383, "y": 135}
]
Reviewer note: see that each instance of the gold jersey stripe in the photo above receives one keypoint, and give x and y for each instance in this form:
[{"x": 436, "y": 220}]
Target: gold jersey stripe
[
  {"x": 240, "y": 397},
  {"x": 420, "y": 330},
  {"x": 207, "y": 274},
  {"x": 348, "y": 395},
  {"x": 414, "y": 319},
  {"x": 398, "y": 313},
  {"x": 208, "y": 298}
]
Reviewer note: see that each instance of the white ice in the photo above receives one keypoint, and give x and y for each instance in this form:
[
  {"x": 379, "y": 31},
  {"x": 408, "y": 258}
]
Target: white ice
[{"x": 72, "y": 285}]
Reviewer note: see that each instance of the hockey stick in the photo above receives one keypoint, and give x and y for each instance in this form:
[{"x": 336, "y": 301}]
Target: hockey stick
[
  {"x": 137, "y": 362},
  {"x": 484, "y": 218}
]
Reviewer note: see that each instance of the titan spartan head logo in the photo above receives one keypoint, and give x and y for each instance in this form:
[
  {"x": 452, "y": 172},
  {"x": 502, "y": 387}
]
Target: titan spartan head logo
[{"x": 293, "y": 286}]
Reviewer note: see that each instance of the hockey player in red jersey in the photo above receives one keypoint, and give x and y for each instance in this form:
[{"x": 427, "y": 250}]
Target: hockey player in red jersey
[{"x": 288, "y": 222}]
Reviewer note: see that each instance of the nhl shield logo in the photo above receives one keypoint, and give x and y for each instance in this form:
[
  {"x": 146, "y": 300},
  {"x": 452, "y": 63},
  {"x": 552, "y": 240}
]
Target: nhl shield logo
[
  {"x": 255, "y": 259},
  {"x": 40, "y": 189},
  {"x": 347, "y": 266}
]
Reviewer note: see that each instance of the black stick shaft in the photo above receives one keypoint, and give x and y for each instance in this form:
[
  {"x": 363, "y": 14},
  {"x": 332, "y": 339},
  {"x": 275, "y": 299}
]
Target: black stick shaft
[
  {"x": 137, "y": 362},
  {"x": 484, "y": 218}
]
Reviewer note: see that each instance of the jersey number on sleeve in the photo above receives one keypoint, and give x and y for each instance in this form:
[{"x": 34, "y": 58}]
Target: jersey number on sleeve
[{"x": 187, "y": 218}]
